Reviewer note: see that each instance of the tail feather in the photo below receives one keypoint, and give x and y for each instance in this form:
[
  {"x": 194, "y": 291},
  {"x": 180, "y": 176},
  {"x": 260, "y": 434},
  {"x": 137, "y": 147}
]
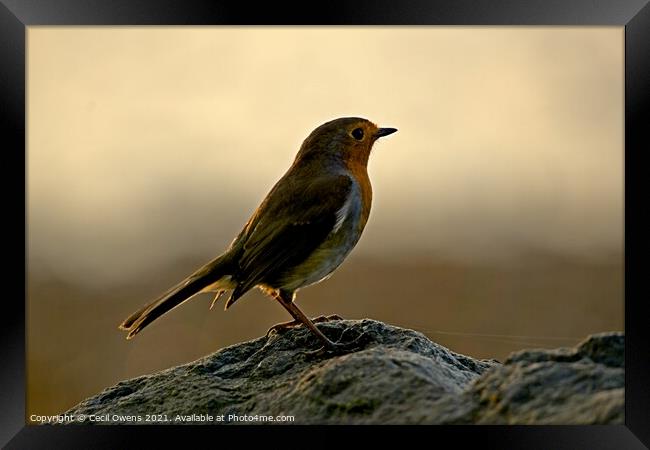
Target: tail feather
[{"x": 177, "y": 295}]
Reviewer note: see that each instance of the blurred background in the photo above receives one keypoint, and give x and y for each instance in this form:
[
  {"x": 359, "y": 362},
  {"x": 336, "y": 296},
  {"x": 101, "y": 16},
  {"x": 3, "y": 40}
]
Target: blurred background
[{"x": 497, "y": 218}]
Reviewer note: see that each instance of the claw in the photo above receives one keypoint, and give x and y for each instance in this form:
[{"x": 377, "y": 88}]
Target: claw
[
  {"x": 322, "y": 351},
  {"x": 283, "y": 326},
  {"x": 338, "y": 347},
  {"x": 330, "y": 318},
  {"x": 295, "y": 324},
  {"x": 355, "y": 344}
]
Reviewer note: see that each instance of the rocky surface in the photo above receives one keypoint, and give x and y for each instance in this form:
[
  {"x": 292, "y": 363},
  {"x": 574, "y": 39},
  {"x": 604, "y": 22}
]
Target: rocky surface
[{"x": 398, "y": 376}]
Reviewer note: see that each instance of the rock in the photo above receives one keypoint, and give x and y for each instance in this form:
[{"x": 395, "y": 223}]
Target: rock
[
  {"x": 398, "y": 376},
  {"x": 580, "y": 385}
]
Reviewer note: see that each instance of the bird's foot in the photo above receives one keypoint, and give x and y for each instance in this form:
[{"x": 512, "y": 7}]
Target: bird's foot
[
  {"x": 281, "y": 327},
  {"x": 284, "y": 326},
  {"x": 330, "y": 318},
  {"x": 331, "y": 348}
]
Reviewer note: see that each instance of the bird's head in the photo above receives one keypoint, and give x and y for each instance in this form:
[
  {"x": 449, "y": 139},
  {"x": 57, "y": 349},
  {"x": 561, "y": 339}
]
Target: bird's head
[{"x": 348, "y": 139}]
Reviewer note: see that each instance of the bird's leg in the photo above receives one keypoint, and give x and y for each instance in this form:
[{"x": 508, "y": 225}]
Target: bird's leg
[
  {"x": 285, "y": 298},
  {"x": 296, "y": 323}
]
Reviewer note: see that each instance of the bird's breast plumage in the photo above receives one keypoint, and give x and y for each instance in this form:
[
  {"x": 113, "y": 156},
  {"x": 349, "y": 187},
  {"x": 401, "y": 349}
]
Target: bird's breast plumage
[{"x": 351, "y": 221}]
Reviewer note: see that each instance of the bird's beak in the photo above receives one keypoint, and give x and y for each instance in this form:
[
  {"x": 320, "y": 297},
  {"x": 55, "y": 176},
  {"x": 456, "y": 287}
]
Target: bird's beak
[{"x": 384, "y": 132}]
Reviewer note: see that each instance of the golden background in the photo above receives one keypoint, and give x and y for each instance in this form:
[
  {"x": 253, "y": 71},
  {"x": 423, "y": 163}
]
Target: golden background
[{"x": 497, "y": 221}]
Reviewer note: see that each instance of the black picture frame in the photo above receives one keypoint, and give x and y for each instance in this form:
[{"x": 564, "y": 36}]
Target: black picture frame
[{"x": 16, "y": 15}]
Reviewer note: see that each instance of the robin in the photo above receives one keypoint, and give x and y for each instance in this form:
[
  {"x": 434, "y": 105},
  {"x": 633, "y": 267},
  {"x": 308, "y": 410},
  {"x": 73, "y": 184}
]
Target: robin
[{"x": 301, "y": 232}]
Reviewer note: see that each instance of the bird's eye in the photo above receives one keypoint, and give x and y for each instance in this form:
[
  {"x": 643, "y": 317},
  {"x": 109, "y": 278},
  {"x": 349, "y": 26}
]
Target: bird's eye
[{"x": 357, "y": 133}]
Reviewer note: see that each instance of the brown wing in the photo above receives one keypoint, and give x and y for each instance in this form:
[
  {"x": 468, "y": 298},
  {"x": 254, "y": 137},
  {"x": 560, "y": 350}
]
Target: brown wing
[{"x": 291, "y": 223}]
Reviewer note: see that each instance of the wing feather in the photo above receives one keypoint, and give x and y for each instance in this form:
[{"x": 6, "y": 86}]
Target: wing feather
[{"x": 292, "y": 222}]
